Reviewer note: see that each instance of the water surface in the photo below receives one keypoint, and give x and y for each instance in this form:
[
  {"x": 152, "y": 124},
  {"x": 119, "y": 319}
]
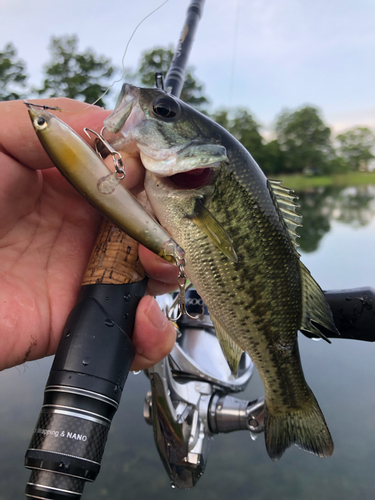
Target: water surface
[{"x": 338, "y": 247}]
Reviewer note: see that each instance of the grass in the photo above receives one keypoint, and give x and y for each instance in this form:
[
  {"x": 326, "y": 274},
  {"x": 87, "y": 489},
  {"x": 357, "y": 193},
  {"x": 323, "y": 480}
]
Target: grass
[{"x": 302, "y": 183}]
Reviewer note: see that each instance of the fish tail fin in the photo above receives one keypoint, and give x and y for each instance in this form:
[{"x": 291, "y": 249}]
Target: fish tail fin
[{"x": 304, "y": 427}]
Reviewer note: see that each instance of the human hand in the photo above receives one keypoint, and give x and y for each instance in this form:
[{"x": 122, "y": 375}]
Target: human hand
[{"x": 47, "y": 232}]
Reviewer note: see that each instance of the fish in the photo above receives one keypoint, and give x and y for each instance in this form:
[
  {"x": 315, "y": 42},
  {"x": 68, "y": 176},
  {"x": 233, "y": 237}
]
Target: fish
[
  {"x": 238, "y": 230},
  {"x": 90, "y": 176}
]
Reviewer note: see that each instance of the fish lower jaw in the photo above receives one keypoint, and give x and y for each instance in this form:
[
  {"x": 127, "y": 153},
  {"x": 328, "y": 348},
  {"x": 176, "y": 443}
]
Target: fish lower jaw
[{"x": 167, "y": 163}]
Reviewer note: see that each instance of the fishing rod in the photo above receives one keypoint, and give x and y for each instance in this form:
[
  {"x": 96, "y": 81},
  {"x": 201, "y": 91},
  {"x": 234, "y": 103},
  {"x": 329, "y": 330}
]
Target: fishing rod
[{"x": 95, "y": 352}]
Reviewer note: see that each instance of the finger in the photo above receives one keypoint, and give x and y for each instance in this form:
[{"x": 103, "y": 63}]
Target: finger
[
  {"x": 153, "y": 336},
  {"x": 17, "y": 135},
  {"x": 134, "y": 171},
  {"x": 155, "y": 287},
  {"x": 163, "y": 276},
  {"x": 157, "y": 268}
]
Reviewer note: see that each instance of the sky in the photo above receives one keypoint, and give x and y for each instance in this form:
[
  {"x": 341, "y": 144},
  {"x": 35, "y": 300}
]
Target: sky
[{"x": 265, "y": 55}]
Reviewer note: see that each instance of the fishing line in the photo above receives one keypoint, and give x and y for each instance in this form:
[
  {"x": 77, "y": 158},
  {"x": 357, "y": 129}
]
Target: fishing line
[
  {"x": 126, "y": 50},
  {"x": 122, "y": 61},
  {"x": 234, "y": 53}
]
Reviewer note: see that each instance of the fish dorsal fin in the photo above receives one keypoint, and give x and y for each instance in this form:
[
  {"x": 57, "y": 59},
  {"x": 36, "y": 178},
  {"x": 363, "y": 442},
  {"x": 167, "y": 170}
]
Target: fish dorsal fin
[
  {"x": 208, "y": 223},
  {"x": 285, "y": 200},
  {"x": 232, "y": 352},
  {"x": 315, "y": 308}
]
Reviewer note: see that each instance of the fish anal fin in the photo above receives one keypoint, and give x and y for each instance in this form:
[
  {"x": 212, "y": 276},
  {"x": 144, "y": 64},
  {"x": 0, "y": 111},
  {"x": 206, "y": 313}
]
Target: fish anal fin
[
  {"x": 315, "y": 309},
  {"x": 208, "y": 223},
  {"x": 232, "y": 352},
  {"x": 305, "y": 427}
]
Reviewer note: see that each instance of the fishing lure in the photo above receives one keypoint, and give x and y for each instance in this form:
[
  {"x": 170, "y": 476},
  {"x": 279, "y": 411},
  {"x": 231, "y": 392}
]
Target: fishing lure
[{"x": 89, "y": 175}]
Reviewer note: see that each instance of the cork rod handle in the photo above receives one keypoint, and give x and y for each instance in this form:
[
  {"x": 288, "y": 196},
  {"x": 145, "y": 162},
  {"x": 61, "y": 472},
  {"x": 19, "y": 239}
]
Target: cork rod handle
[{"x": 114, "y": 259}]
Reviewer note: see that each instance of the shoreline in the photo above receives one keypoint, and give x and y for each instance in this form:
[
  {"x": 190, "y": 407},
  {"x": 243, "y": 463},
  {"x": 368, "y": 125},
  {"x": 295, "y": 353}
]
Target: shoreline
[{"x": 302, "y": 183}]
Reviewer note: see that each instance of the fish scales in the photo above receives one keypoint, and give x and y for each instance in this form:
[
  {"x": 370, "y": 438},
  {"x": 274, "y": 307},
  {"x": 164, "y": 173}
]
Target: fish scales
[
  {"x": 240, "y": 253},
  {"x": 261, "y": 310}
]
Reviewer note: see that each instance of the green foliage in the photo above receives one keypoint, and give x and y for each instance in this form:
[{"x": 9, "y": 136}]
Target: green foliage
[
  {"x": 73, "y": 74},
  {"x": 159, "y": 60},
  {"x": 221, "y": 116},
  {"x": 12, "y": 74},
  {"x": 241, "y": 124},
  {"x": 305, "y": 141},
  {"x": 316, "y": 220},
  {"x": 273, "y": 159},
  {"x": 246, "y": 130},
  {"x": 356, "y": 147},
  {"x": 152, "y": 61}
]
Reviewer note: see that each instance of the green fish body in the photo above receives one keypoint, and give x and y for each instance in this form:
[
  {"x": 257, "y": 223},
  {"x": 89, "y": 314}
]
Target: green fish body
[{"x": 237, "y": 231}]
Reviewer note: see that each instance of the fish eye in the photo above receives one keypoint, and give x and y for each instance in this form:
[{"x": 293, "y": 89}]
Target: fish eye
[
  {"x": 166, "y": 107},
  {"x": 40, "y": 123}
]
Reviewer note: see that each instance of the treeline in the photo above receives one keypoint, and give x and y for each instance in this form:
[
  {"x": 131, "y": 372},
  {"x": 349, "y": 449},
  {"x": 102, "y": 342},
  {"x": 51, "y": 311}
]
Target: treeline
[{"x": 302, "y": 142}]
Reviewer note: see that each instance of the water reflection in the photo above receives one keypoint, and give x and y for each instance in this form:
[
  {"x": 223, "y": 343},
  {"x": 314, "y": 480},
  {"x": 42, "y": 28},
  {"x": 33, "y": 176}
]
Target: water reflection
[
  {"x": 351, "y": 205},
  {"x": 341, "y": 376}
]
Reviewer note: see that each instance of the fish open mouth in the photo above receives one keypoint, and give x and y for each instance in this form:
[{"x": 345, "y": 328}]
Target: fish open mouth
[
  {"x": 189, "y": 164},
  {"x": 193, "y": 179}
]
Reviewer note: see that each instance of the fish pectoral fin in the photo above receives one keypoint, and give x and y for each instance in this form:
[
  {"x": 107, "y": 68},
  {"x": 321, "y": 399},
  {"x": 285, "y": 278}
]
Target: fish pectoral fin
[
  {"x": 231, "y": 350},
  {"x": 315, "y": 309},
  {"x": 200, "y": 155},
  {"x": 208, "y": 223}
]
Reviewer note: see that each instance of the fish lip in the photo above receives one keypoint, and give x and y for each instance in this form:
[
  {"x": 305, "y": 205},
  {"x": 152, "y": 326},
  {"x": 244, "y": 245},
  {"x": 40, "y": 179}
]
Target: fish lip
[
  {"x": 128, "y": 97},
  {"x": 168, "y": 170},
  {"x": 148, "y": 152}
]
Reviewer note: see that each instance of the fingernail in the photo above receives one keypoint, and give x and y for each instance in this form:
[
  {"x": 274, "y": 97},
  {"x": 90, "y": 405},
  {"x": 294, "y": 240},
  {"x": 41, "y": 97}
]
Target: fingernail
[{"x": 156, "y": 317}]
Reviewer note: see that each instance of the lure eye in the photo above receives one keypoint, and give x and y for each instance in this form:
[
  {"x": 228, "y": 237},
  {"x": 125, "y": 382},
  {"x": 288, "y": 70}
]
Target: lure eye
[
  {"x": 166, "y": 107},
  {"x": 40, "y": 123}
]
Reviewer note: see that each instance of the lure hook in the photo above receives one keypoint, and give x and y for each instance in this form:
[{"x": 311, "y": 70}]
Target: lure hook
[
  {"x": 116, "y": 156},
  {"x": 180, "y": 300}
]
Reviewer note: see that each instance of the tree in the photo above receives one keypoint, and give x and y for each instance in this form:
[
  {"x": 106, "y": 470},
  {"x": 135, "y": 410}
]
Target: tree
[
  {"x": 305, "y": 140},
  {"x": 246, "y": 130},
  {"x": 73, "y": 74},
  {"x": 12, "y": 74},
  {"x": 273, "y": 159},
  {"x": 356, "y": 147},
  {"x": 241, "y": 124},
  {"x": 221, "y": 116},
  {"x": 159, "y": 59}
]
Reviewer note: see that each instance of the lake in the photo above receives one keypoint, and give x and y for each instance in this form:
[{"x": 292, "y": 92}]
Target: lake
[{"x": 337, "y": 245}]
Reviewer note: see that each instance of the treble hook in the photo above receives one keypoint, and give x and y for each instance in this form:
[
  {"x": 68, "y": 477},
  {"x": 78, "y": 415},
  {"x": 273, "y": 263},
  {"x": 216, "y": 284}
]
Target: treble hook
[
  {"x": 116, "y": 156},
  {"x": 180, "y": 300}
]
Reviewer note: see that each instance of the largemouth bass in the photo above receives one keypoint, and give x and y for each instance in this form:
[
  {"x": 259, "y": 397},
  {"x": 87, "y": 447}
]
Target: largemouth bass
[{"x": 238, "y": 232}]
